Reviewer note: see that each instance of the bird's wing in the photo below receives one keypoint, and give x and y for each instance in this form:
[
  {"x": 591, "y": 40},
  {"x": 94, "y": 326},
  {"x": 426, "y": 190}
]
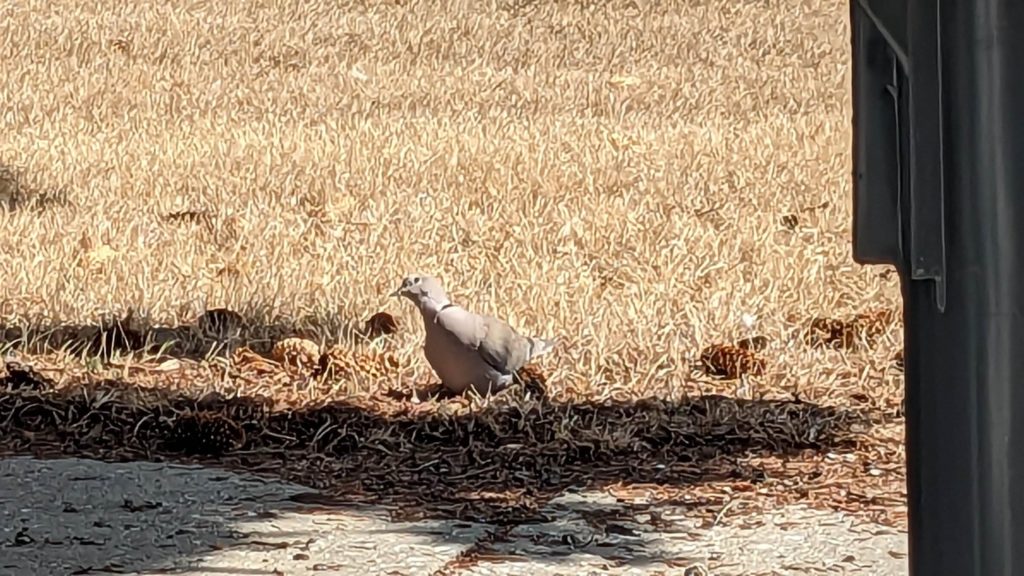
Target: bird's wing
[{"x": 496, "y": 343}]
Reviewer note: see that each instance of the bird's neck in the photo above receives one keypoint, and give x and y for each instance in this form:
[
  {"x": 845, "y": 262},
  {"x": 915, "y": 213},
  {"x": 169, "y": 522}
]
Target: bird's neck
[{"x": 430, "y": 308}]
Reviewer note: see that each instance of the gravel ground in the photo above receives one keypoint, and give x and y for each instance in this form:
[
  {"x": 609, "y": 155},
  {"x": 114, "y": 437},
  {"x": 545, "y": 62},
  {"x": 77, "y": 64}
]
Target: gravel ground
[{"x": 74, "y": 516}]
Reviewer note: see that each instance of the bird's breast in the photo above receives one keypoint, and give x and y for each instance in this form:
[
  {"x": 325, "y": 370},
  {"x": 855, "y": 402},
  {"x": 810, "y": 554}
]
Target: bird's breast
[{"x": 457, "y": 366}]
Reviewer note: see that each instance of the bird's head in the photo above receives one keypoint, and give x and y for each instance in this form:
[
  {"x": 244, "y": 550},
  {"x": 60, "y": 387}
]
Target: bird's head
[{"x": 422, "y": 290}]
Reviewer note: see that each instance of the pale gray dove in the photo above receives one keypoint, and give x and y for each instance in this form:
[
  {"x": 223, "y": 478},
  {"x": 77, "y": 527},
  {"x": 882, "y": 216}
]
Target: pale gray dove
[{"x": 466, "y": 349}]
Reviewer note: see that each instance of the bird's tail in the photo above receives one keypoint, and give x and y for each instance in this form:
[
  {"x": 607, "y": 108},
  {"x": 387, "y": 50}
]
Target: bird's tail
[{"x": 540, "y": 346}]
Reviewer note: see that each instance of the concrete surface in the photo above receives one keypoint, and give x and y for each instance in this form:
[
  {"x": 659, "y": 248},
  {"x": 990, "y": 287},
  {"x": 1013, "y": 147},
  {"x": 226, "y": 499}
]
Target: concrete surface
[{"x": 77, "y": 517}]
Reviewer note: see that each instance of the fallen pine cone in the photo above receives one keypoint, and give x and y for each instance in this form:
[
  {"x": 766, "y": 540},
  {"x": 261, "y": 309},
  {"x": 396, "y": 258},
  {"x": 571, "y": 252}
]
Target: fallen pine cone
[
  {"x": 790, "y": 221},
  {"x": 243, "y": 358},
  {"x": 753, "y": 343},
  {"x": 380, "y": 324},
  {"x": 344, "y": 362},
  {"x": 189, "y": 217},
  {"x": 219, "y": 323},
  {"x": 871, "y": 325},
  {"x": 297, "y": 353},
  {"x": 836, "y": 333},
  {"x": 205, "y": 433},
  {"x": 533, "y": 379},
  {"x": 23, "y": 377},
  {"x": 116, "y": 336},
  {"x": 731, "y": 361},
  {"x": 830, "y": 333}
]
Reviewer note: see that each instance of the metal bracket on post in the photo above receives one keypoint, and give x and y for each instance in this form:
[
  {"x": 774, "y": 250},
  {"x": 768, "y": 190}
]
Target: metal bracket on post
[
  {"x": 927, "y": 197},
  {"x": 899, "y": 207}
]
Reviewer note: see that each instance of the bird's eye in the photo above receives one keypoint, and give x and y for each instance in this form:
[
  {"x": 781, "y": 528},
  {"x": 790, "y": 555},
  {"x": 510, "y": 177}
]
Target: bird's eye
[{"x": 416, "y": 280}]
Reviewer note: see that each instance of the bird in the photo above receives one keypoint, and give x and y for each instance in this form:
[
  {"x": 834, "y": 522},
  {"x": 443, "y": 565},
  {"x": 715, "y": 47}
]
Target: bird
[{"x": 465, "y": 349}]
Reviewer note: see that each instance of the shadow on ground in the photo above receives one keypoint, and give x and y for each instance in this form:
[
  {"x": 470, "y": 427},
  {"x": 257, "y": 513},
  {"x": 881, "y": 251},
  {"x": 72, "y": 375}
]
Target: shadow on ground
[
  {"x": 520, "y": 466},
  {"x": 17, "y": 195},
  {"x": 214, "y": 332}
]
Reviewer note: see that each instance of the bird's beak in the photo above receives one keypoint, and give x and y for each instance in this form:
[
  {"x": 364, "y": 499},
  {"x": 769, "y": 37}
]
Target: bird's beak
[{"x": 395, "y": 293}]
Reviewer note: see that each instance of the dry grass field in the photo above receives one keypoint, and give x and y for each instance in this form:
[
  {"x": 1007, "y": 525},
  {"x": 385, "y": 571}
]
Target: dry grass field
[{"x": 640, "y": 180}]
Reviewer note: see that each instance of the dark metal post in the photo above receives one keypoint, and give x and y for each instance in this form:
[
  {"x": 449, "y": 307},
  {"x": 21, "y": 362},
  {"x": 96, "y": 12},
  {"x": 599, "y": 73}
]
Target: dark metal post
[{"x": 939, "y": 193}]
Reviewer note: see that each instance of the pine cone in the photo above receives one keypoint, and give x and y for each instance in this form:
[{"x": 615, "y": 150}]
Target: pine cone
[
  {"x": 24, "y": 377},
  {"x": 117, "y": 336},
  {"x": 533, "y": 379},
  {"x": 380, "y": 324},
  {"x": 296, "y": 353},
  {"x": 830, "y": 333},
  {"x": 344, "y": 362},
  {"x": 220, "y": 323},
  {"x": 244, "y": 359},
  {"x": 731, "y": 361},
  {"x": 754, "y": 343},
  {"x": 873, "y": 324},
  {"x": 205, "y": 433}
]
